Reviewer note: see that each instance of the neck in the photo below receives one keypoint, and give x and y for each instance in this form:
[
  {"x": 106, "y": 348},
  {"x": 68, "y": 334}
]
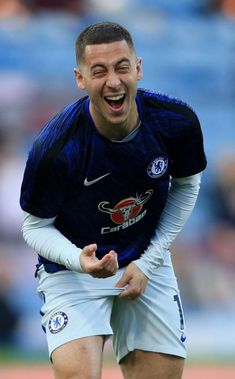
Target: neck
[{"x": 115, "y": 131}]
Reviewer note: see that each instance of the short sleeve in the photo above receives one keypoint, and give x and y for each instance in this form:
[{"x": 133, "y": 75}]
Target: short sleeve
[
  {"x": 189, "y": 156},
  {"x": 44, "y": 185}
]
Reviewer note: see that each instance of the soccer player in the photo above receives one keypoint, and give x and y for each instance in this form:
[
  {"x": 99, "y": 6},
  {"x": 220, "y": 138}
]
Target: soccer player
[{"x": 109, "y": 183}]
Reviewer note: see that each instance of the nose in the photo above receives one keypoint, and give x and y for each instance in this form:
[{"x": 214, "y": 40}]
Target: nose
[{"x": 113, "y": 80}]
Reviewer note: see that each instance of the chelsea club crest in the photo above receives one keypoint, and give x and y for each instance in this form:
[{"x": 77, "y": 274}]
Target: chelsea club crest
[
  {"x": 58, "y": 322},
  {"x": 157, "y": 167}
]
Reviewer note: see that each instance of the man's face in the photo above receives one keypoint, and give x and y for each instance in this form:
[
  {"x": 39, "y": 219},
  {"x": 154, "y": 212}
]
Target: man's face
[{"x": 109, "y": 73}]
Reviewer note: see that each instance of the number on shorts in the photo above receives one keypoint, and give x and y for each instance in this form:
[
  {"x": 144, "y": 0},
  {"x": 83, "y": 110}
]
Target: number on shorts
[{"x": 177, "y": 299}]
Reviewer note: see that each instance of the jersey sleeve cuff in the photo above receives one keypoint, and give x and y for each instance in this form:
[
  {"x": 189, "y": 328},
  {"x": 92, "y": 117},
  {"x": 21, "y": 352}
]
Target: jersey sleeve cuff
[{"x": 146, "y": 267}]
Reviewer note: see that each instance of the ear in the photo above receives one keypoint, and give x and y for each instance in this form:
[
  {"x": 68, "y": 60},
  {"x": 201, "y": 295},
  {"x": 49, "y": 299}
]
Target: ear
[
  {"x": 79, "y": 78},
  {"x": 139, "y": 68}
]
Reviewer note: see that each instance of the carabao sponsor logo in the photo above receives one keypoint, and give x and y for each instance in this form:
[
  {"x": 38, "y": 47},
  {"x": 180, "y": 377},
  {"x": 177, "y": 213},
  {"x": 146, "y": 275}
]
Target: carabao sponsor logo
[{"x": 126, "y": 213}]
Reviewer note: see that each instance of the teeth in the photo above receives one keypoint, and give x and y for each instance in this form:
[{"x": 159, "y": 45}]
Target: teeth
[{"x": 115, "y": 98}]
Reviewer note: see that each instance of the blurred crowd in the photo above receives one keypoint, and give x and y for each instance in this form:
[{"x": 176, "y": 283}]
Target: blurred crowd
[{"x": 188, "y": 51}]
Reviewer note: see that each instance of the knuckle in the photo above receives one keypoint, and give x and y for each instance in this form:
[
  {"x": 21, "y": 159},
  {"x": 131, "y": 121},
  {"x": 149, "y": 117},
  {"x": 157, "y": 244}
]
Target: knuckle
[{"x": 137, "y": 292}]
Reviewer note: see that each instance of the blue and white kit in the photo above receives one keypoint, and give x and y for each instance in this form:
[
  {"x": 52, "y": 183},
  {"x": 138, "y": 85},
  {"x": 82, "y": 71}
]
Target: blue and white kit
[{"x": 84, "y": 188}]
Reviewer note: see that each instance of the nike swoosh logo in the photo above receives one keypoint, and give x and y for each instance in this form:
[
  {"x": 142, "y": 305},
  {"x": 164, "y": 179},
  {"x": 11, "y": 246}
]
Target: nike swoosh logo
[{"x": 90, "y": 182}]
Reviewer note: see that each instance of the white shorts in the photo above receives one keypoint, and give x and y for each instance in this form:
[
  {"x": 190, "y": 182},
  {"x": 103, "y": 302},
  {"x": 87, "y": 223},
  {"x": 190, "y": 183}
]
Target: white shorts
[{"x": 77, "y": 305}]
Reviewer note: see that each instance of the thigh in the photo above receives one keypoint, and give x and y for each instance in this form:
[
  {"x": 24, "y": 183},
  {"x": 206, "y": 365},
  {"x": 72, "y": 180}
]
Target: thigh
[
  {"x": 153, "y": 322},
  {"x": 141, "y": 364},
  {"x": 81, "y": 358},
  {"x": 75, "y": 306}
]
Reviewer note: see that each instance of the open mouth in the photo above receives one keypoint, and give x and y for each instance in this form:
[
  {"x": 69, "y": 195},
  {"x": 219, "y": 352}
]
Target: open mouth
[{"x": 115, "y": 102}]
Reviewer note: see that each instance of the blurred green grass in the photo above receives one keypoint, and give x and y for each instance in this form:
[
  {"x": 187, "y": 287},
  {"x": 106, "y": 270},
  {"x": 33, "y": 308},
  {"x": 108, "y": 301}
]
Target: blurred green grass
[
  {"x": 11, "y": 356},
  {"x": 15, "y": 356}
]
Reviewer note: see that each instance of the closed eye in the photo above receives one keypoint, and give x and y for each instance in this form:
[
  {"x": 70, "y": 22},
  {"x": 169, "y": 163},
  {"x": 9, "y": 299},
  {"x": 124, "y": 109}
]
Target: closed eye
[
  {"x": 123, "y": 69},
  {"x": 98, "y": 73}
]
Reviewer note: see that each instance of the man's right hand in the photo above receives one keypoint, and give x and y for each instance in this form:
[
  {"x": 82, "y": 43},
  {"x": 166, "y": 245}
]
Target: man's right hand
[{"x": 103, "y": 268}]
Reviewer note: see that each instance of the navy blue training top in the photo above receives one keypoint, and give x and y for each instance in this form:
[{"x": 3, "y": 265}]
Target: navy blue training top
[{"x": 106, "y": 192}]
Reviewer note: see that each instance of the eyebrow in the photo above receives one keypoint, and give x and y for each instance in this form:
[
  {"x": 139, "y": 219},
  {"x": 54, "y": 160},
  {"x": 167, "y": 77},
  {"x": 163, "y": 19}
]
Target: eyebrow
[{"x": 122, "y": 60}]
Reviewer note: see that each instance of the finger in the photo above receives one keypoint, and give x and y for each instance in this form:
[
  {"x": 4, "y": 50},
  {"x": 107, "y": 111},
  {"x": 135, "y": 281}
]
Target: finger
[
  {"x": 123, "y": 281},
  {"x": 107, "y": 266},
  {"x": 108, "y": 259},
  {"x": 90, "y": 249},
  {"x": 105, "y": 262},
  {"x": 130, "y": 293},
  {"x": 127, "y": 295},
  {"x": 110, "y": 268}
]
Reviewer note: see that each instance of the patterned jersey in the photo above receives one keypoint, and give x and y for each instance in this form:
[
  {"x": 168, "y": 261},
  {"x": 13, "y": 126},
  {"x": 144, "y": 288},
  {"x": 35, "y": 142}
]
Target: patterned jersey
[{"x": 106, "y": 192}]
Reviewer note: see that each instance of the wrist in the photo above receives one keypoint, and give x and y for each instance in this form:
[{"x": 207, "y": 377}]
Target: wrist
[{"x": 146, "y": 267}]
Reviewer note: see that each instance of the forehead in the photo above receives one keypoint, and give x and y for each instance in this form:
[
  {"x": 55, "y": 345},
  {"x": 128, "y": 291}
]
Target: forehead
[{"x": 107, "y": 53}]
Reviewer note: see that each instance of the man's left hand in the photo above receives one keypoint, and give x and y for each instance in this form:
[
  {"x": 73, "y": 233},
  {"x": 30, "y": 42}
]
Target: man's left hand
[{"x": 134, "y": 280}]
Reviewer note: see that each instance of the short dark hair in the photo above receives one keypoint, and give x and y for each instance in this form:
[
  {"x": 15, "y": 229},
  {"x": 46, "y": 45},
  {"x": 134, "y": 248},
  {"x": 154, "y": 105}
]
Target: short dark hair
[{"x": 101, "y": 32}]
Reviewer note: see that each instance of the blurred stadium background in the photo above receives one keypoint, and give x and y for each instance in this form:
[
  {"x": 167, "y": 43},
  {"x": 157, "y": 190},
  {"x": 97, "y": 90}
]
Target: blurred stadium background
[{"x": 188, "y": 51}]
